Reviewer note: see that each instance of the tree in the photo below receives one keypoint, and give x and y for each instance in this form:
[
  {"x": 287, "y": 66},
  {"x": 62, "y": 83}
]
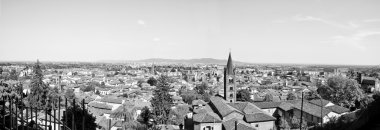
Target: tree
[
  {"x": 146, "y": 115},
  {"x": 87, "y": 88},
  {"x": 283, "y": 124},
  {"x": 295, "y": 123},
  {"x": 291, "y": 96},
  {"x": 38, "y": 89},
  {"x": 201, "y": 89},
  {"x": 78, "y": 112},
  {"x": 152, "y": 81},
  {"x": 268, "y": 98},
  {"x": 140, "y": 82},
  {"x": 10, "y": 89},
  {"x": 13, "y": 75},
  {"x": 69, "y": 94},
  {"x": 177, "y": 115},
  {"x": 97, "y": 92},
  {"x": 243, "y": 95},
  {"x": 341, "y": 91},
  {"x": 312, "y": 95},
  {"x": 188, "y": 96},
  {"x": 161, "y": 101}
]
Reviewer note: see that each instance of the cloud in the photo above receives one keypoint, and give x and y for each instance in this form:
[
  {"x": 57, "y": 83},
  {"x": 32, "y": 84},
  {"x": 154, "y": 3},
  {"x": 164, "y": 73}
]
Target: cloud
[
  {"x": 301, "y": 18},
  {"x": 354, "y": 40}
]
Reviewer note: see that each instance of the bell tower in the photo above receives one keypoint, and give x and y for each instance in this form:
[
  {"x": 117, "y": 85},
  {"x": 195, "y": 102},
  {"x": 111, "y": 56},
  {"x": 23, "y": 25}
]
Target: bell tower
[{"x": 229, "y": 81}]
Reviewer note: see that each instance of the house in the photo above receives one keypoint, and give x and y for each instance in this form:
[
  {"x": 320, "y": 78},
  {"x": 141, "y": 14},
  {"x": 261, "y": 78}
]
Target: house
[
  {"x": 177, "y": 99},
  {"x": 114, "y": 102},
  {"x": 313, "y": 110},
  {"x": 104, "y": 91},
  {"x": 220, "y": 114},
  {"x": 100, "y": 109}
]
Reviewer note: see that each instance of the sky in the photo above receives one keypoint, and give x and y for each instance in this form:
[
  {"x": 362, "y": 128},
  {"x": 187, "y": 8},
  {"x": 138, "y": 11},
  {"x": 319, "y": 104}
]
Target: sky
[{"x": 255, "y": 31}]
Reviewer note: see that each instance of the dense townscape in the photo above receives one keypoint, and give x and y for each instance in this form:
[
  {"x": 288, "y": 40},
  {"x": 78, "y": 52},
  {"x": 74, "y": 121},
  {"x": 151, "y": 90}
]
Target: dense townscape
[{"x": 179, "y": 96}]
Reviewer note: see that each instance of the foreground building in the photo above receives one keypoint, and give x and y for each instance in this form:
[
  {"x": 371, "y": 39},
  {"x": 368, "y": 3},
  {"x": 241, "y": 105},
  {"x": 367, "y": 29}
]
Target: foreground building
[{"x": 228, "y": 114}]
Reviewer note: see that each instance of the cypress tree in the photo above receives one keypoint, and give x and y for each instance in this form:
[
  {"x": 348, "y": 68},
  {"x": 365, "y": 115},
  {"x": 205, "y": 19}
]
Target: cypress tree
[
  {"x": 38, "y": 95},
  {"x": 161, "y": 101}
]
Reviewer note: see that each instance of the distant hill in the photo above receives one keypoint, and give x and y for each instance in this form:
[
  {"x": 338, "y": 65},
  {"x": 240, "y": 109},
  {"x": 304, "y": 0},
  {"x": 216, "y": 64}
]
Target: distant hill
[{"x": 183, "y": 61}]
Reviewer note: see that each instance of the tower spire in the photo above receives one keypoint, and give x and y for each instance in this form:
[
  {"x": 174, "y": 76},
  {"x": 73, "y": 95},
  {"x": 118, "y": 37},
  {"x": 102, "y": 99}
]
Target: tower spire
[{"x": 230, "y": 65}]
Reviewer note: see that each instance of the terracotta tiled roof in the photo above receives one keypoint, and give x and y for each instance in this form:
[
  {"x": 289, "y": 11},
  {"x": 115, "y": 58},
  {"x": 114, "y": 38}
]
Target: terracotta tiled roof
[
  {"x": 285, "y": 106},
  {"x": 318, "y": 102},
  {"x": 258, "y": 117},
  {"x": 203, "y": 109},
  {"x": 222, "y": 108},
  {"x": 338, "y": 109},
  {"x": 241, "y": 125},
  {"x": 312, "y": 109},
  {"x": 100, "y": 105},
  {"x": 246, "y": 107},
  {"x": 99, "y": 112},
  {"x": 266, "y": 105},
  {"x": 207, "y": 117},
  {"x": 198, "y": 102},
  {"x": 112, "y": 100}
]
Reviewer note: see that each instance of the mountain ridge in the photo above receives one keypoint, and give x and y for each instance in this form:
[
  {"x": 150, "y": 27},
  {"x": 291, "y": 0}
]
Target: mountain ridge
[{"x": 183, "y": 61}]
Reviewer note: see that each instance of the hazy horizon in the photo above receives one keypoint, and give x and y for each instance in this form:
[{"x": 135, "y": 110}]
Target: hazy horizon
[{"x": 283, "y": 32}]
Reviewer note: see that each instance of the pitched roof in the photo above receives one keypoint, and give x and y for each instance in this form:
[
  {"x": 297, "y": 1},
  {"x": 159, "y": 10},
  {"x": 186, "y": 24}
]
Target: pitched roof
[
  {"x": 112, "y": 100},
  {"x": 312, "y": 109},
  {"x": 206, "y": 117},
  {"x": 258, "y": 117},
  {"x": 338, "y": 109},
  {"x": 286, "y": 106},
  {"x": 198, "y": 102},
  {"x": 318, "y": 102},
  {"x": 266, "y": 105},
  {"x": 100, "y": 105},
  {"x": 203, "y": 109},
  {"x": 98, "y": 111},
  {"x": 221, "y": 106},
  {"x": 246, "y": 107},
  {"x": 241, "y": 125}
]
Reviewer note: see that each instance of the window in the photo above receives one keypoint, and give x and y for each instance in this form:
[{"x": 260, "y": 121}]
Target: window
[
  {"x": 231, "y": 95},
  {"x": 231, "y": 80},
  {"x": 231, "y": 88},
  {"x": 257, "y": 125},
  {"x": 208, "y": 128}
]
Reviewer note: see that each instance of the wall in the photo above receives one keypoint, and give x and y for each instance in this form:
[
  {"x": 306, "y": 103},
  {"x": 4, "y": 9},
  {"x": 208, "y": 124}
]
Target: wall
[
  {"x": 330, "y": 115},
  {"x": 269, "y": 125},
  {"x": 201, "y": 126},
  {"x": 270, "y": 111}
]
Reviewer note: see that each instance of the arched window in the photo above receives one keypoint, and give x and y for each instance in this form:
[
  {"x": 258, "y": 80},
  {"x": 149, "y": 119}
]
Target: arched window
[{"x": 231, "y": 88}]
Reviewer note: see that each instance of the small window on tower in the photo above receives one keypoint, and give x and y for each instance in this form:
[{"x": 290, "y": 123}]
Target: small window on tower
[
  {"x": 231, "y": 95},
  {"x": 231, "y": 80},
  {"x": 231, "y": 88}
]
